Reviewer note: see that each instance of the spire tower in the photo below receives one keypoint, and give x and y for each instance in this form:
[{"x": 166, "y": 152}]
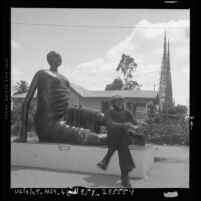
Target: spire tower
[{"x": 165, "y": 87}]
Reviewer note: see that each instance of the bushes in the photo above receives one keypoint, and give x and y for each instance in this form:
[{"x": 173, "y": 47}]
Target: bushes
[
  {"x": 16, "y": 119},
  {"x": 170, "y": 130},
  {"x": 166, "y": 129}
]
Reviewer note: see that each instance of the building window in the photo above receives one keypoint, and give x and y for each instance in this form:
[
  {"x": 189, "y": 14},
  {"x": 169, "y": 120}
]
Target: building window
[
  {"x": 140, "y": 110},
  {"x": 105, "y": 106},
  {"x": 141, "y": 104}
]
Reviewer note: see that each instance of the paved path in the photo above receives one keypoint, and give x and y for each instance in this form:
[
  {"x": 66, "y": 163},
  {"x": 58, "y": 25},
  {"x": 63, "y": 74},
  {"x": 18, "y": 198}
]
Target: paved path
[{"x": 171, "y": 169}]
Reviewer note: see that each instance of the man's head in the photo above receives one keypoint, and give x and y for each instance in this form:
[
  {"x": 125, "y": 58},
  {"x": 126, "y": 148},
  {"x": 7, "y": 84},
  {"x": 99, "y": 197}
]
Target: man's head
[
  {"x": 54, "y": 59},
  {"x": 117, "y": 102}
]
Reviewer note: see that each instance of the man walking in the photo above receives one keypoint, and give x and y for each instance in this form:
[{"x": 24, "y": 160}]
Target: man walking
[{"x": 118, "y": 121}]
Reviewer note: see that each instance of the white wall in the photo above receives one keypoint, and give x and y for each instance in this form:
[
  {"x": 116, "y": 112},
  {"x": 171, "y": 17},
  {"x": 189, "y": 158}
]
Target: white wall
[
  {"x": 93, "y": 104},
  {"x": 96, "y": 103},
  {"x": 75, "y": 99}
]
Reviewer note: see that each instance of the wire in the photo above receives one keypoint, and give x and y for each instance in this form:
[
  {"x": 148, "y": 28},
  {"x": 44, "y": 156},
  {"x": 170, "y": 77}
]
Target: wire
[{"x": 93, "y": 26}]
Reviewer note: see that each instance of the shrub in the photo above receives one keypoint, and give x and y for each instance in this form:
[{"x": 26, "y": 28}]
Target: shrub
[
  {"x": 170, "y": 130},
  {"x": 16, "y": 119}
]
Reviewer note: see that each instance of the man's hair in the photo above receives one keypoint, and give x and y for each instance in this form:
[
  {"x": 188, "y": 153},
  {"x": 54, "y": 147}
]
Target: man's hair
[{"x": 53, "y": 57}]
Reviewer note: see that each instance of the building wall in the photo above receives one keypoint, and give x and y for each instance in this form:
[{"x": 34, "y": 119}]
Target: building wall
[
  {"x": 137, "y": 106},
  {"x": 74, "y": 99},
  {"x": 93, "y": 104}
]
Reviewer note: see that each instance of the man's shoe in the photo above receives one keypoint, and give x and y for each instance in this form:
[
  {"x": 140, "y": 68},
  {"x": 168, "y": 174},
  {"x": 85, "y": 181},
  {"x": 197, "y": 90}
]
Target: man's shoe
[
  {"x": 125, "y": 183},
  {"x": 101, "y": 165}
]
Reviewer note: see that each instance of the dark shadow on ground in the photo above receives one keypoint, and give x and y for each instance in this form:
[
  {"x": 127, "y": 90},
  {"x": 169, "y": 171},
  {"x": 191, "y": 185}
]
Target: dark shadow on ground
[
  {"x": 110, "y": 181},
  {"x": 103, "y": 180},
  {"x": 15, "y": 168},
  {"x": 168, "y": 160}
]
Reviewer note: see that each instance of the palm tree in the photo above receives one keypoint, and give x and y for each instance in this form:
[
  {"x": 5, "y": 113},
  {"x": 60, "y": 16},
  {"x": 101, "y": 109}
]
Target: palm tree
[{"x": 21, "y": 87}]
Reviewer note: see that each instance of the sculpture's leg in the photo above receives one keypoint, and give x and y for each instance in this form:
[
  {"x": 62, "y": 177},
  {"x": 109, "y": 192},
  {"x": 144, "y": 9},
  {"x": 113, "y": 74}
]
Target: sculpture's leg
[
  {"x": 87, "y": 137},
  {"x": 78, "y": 132},
  {"x": 69, "y": 115},
  {"x": 79, "y": 118},
  {"x": 87, "y": 117},
  {"x": 75, "y": 115},
  {"x": 64, "y": 133},
  {"x": 21, "y": 138},
  {"x": 82, "y": 119},
  {"x": 90, "y": 119}
]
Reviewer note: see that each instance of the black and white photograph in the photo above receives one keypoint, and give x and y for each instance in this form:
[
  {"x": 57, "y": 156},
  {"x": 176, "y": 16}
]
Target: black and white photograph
[{"x": 100, "y": 98}]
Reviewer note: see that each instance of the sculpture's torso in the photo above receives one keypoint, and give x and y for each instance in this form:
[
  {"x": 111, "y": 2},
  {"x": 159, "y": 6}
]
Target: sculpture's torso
[{"x": 52, "y": 98}]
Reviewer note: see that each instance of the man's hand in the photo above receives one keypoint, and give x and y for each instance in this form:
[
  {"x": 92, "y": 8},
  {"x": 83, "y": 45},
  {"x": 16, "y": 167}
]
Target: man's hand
[
  {"x": 127, "y": 125},
  {"x": 144, "y": 124},
  {"x": 130, "y": 126}
]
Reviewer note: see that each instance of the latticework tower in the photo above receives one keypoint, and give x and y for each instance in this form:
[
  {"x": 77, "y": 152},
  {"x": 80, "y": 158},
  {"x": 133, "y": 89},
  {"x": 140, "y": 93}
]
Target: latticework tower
[{"x": 165, "y": 88}]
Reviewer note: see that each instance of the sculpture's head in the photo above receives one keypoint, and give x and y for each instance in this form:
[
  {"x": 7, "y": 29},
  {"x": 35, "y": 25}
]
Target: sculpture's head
[
  {"x": 117, "y": 102},
  {"x": 54, "y": 59}
]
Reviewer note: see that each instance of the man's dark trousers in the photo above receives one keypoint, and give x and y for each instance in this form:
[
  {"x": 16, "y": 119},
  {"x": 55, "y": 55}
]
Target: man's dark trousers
[{"x": 119, "y": 142}]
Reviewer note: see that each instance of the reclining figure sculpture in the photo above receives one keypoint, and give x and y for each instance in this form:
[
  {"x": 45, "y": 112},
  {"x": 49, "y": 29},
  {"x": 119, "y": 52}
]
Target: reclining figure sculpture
[{"x": 55, "y": 120}]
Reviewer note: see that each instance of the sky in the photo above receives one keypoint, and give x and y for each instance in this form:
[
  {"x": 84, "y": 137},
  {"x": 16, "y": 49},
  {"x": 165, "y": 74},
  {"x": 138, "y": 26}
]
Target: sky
[{"x": 91, "y": 42}]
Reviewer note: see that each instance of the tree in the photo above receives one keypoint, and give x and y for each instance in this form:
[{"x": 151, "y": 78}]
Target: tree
[
  {"x": 150, "y": 116},
  {"x": 179, "y": 109},
  {"x": 21, "y": 87},
  {"x": 116, "y": 85},
  {"x": 126, "y": 67}
]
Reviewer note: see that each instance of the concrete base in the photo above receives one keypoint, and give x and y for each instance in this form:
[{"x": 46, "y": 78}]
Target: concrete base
[{"x": 78, "y": 157}]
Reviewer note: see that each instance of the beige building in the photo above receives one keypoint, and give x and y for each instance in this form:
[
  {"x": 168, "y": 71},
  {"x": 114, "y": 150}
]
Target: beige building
[{"x": 135, "y": 100}]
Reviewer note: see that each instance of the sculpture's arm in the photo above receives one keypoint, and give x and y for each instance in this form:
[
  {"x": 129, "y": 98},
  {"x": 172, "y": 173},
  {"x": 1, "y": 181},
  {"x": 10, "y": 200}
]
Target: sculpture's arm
[{"x": 26, "y": 104}]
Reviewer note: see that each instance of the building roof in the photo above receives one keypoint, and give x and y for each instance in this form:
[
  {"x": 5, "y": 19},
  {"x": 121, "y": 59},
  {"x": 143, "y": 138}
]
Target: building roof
[
  {"x": 85, "y": 93},
  {"x": 80, "y": 90},
  {"x": 109, "y": 93},
  {"x": 23, "y": 95},
  {"x": 123, "y": 93}
]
